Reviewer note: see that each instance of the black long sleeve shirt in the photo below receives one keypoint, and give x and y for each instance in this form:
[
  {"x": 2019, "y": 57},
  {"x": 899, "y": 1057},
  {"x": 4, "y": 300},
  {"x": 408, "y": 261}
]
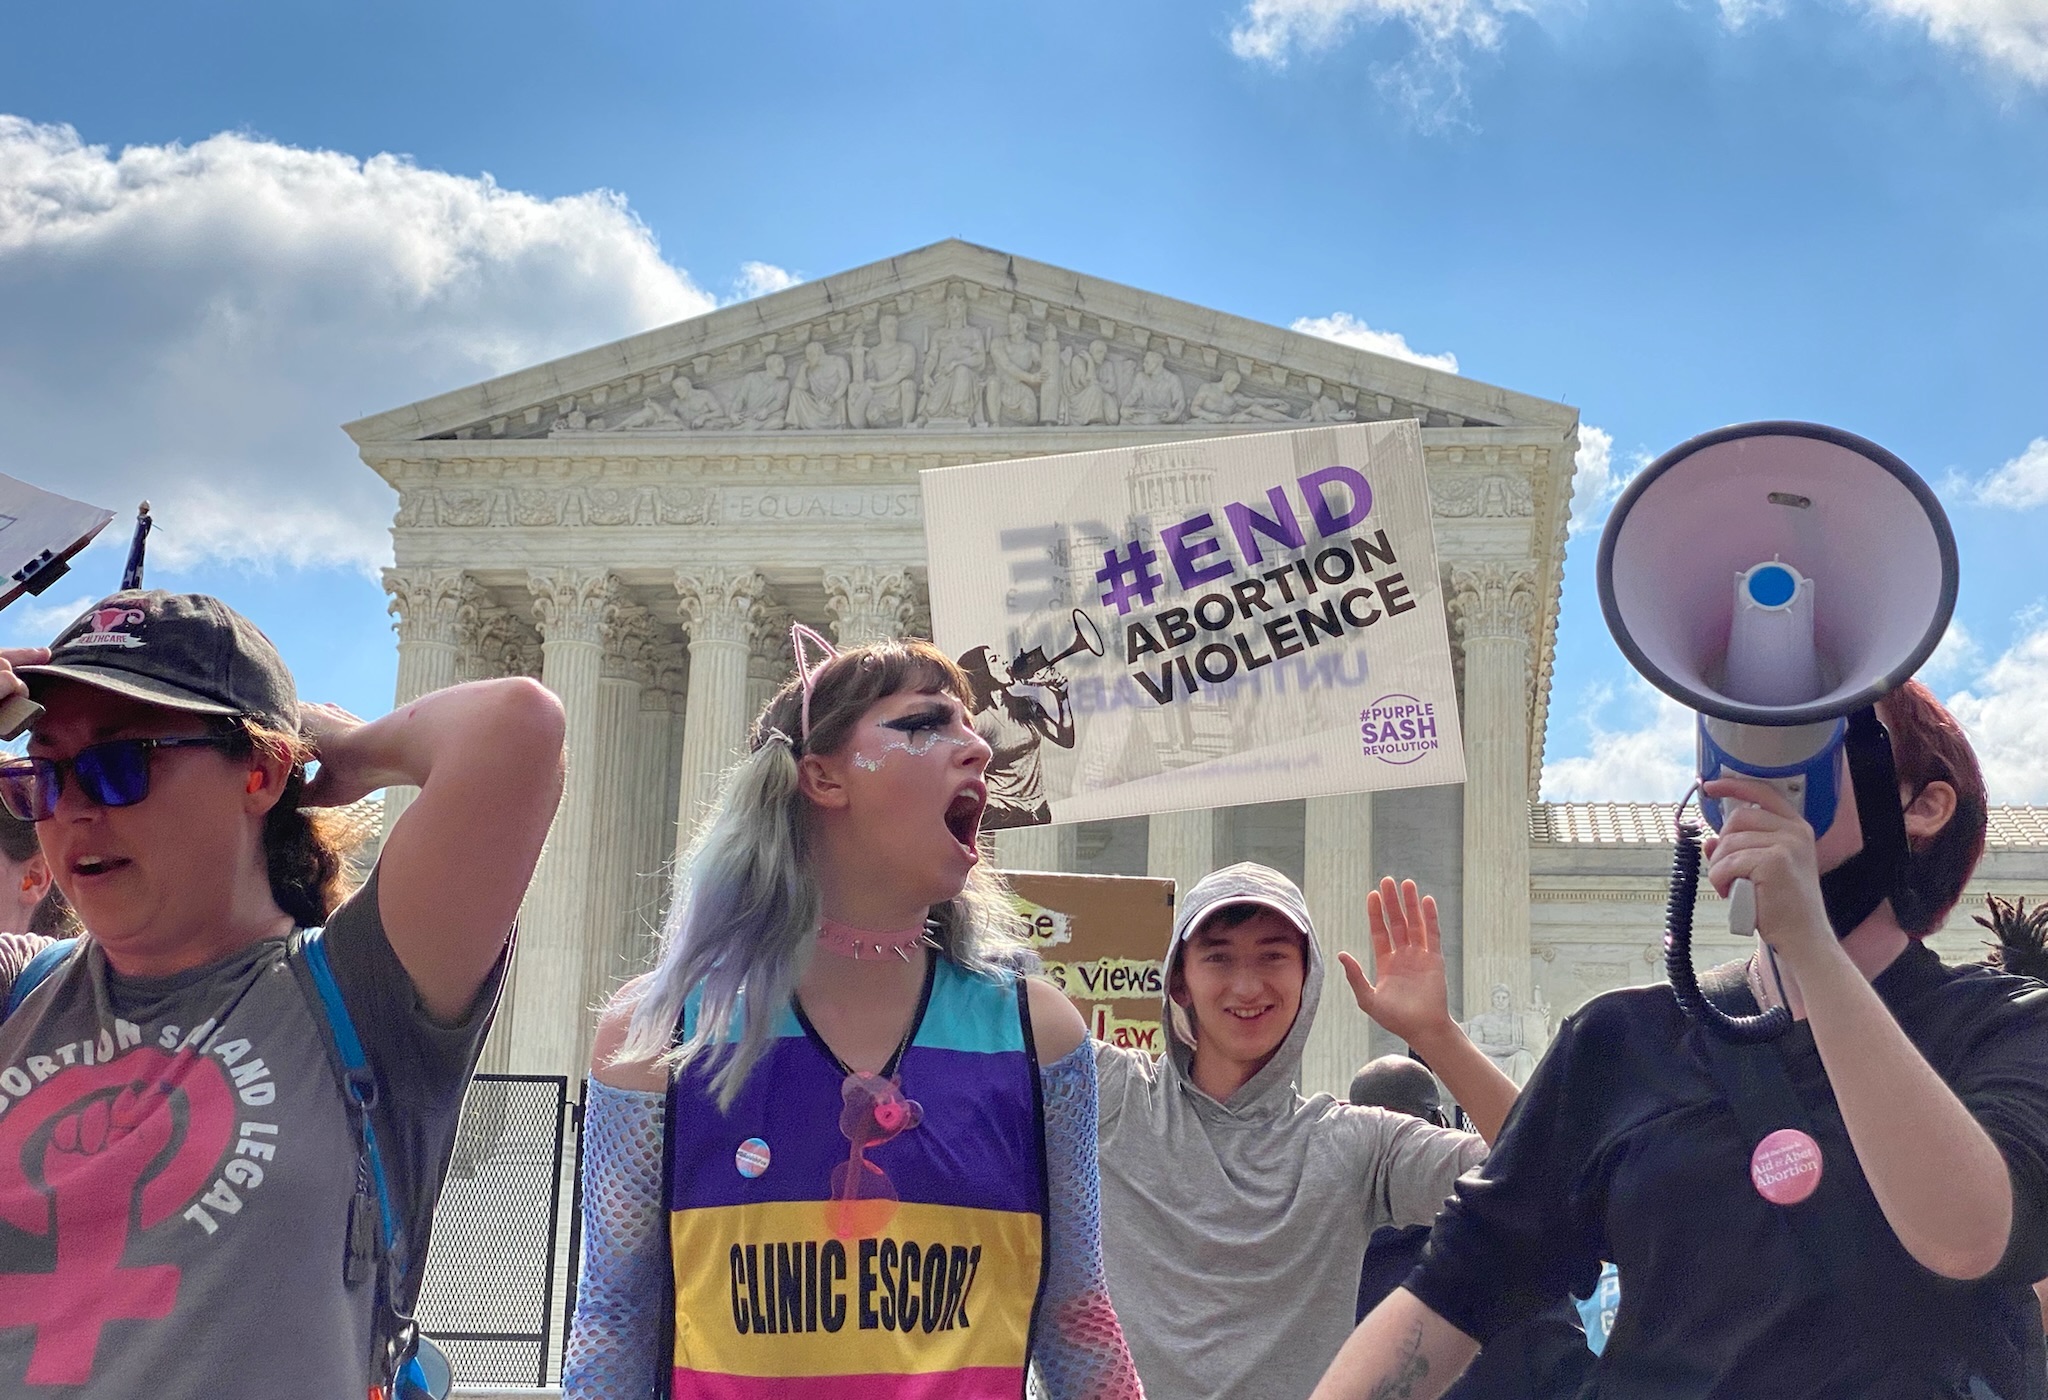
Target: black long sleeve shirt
[{"x": 1623, "y": 1147}]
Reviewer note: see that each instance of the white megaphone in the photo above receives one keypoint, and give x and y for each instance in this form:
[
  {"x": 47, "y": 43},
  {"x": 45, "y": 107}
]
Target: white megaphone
[{"x": 1778, "y": 578}]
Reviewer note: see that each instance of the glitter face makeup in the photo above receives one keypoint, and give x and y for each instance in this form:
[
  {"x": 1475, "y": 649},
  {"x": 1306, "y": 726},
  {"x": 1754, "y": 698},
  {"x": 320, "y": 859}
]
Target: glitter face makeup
[{"x": 920, "y": 732}]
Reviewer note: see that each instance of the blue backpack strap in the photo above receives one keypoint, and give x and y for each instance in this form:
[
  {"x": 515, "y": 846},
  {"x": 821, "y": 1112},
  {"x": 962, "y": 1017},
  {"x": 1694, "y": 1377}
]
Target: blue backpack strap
[
  {"x": 359, "y": 1083},
  {"x": 37, "y": 972}
]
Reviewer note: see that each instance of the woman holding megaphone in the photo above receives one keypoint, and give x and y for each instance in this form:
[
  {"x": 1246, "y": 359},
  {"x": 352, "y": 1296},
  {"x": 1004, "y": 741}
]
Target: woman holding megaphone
[{"x": 1856, "y": 1209}]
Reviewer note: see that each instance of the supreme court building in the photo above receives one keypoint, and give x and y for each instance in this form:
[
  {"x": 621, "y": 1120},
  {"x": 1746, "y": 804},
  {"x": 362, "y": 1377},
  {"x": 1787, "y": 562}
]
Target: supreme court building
[{"x": 638, "y": 524}]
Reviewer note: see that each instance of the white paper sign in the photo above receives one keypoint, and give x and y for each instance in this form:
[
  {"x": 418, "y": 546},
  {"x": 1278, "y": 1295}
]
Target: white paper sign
[
  {"x": 1197, "y": 624},
  {"x": 39, "y": 530}
]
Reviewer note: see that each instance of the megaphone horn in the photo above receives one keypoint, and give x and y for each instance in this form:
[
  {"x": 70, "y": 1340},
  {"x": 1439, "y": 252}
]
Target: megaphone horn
[
  {"x": 1087, "y": 637},
  {"x": 1779, "y": 579}
]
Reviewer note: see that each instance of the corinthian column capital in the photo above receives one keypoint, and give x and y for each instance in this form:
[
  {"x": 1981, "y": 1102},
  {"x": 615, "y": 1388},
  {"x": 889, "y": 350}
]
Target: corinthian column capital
[
  {"x": 425, "y": 602},
  {"x": 573, "y": 605},
  {"x": 1493, "y": 600},
  {"x": 870, "y": 604},
  {"x": 722, "y": 605},
  {"x": 628, "y": 644}
]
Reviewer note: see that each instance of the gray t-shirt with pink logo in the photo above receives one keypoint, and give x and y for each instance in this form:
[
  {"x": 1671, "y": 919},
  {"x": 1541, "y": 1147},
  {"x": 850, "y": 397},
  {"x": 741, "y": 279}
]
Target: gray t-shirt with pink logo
[{"x": 176, "y": 1165}]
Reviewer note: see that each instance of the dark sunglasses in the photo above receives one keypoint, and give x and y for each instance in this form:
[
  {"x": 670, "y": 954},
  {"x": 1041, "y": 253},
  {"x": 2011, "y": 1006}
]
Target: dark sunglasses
[{"x": 112, "y": 774}]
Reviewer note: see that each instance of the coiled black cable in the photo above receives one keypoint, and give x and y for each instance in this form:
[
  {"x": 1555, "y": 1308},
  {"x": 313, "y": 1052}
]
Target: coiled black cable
[{"x": 1685, "y": 984}]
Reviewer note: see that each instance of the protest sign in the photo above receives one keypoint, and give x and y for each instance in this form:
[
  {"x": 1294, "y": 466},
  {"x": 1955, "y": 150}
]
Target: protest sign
[
  {"x": 1197, "y": 624},
  {"x": 39, "y": 532},
  {"x": 1101, "y": 939}
]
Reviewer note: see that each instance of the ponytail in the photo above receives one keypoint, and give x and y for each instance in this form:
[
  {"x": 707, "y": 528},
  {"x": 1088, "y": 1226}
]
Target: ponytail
[{"x": 303, "y": 850}]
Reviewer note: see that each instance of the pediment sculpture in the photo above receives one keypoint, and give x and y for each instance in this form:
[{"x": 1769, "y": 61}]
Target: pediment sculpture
[{"x": 951, "y": 362}]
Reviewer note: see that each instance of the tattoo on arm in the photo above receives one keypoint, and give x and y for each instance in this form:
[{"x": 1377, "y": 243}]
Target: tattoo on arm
[{"x": 1410, "y": 1366}]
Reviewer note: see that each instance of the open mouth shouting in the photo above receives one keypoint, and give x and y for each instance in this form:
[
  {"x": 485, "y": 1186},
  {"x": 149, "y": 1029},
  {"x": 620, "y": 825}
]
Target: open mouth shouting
[{"x": 963, "y": 818}]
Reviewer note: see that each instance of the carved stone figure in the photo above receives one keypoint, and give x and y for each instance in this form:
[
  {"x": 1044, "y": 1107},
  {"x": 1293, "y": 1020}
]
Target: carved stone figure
[
  {"x": 699, "y": 408},
  {"x": 884, "y": 389},
  {"x": 1327, "y": 410},
  {"x": 573, "y": 421},
  {"x": 1049, "y": 387},
  {"x": 762, "y": 398},
  {"x": 1084, "y": 398},
  {"x": 954, "y": 363},
  {"x": 1504, "y": 1036},
  {"x": 817, "y": 391},
  {"x": 1221, "y": 403},
  {"x": 1156, "y": 395},
  {"x": 655, "y": 412},
  {"x": 1013, "y": 390}
]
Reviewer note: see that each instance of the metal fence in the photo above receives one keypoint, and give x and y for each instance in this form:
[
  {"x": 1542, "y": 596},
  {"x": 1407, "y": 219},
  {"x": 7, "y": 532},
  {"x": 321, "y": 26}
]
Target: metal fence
[{"x": 502, "y": 1256}]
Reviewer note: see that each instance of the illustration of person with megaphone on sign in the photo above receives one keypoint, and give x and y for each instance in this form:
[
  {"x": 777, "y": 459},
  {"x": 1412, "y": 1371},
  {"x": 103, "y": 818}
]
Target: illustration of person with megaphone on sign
[
  {"x": 1822, "y": 1170},
  {"x": 1016, "y": 707}
]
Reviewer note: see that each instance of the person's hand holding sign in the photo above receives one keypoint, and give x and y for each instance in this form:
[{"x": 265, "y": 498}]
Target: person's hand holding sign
[{"x": 1412, "y": 1000}]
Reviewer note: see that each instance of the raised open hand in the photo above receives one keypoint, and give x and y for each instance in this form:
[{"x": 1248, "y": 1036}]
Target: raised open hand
[{"x": 1411, "y": 998}]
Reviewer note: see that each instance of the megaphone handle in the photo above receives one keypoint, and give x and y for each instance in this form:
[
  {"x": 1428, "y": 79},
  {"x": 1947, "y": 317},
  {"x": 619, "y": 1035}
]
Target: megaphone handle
[
  {"x": 1742, "y": 909},
  {"x": 17, "y": 715},
  {"x": 1685, "y": 983}
]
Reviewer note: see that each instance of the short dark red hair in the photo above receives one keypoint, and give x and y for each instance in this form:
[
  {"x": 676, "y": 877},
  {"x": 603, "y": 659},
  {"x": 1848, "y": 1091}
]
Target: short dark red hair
[{"x": 1929, "y": 746}]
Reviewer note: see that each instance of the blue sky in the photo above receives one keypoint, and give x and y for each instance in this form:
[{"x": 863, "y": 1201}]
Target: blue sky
[{"x": 1670, "y": 215}]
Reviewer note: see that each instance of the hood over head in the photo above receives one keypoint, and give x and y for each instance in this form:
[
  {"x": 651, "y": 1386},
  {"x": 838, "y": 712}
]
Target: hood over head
[{"x": 1265, "y": 887}]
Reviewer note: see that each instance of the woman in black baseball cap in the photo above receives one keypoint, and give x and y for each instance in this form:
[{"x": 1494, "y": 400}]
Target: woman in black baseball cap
[{"x": 184, "y": 1206}]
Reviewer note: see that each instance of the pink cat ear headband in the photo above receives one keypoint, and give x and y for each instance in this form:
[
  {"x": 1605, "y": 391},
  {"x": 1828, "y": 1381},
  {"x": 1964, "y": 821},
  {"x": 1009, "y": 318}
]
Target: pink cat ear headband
[{"x": 808, "y": 670}]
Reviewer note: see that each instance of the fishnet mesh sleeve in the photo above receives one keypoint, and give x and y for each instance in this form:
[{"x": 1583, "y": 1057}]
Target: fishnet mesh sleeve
[
  {"x": 615, "y": 1341},
  {"x": 1078, "y": 1348}
]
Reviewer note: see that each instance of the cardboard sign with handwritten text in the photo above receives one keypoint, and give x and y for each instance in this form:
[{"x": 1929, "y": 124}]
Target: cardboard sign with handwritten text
[{"x": 1102, "y": 939}]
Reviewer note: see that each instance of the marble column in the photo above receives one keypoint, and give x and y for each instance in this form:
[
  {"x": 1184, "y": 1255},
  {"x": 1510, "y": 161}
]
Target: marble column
[
  {"x": 650, "y": 852},
  {"x": 770, "y": 661},
  {"x": 676, "y": 835},
  {"x": 425, "y": 604},
  {"x": 1037, "y": 848},
  {"x": 1181, "y": 847},
  {"x": 870, "y": 604},
  {"x": 1337, "y": 872},
  {"x": 573, "y": 608},
  {"x": 615, "y": 827},
  {"x": 720, "y": 608},
  {"x": 1493, "y": 609}
]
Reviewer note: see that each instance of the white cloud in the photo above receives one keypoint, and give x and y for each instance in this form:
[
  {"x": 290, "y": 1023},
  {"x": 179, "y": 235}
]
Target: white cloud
[
  {"x": 2005, "y": 710},
  {"x": 1347, "y": 329},
  {"x": 193, "y": 323},
  {"x": 1651, "y": 762},
  {"x": 2010, "y": 34},
  {"x": 1957, "y": 657},
  {"x": 1595, "y": 481},
  {"x": 31, "y": 622},
  {"x": 1738, "y": 15},
  {"x": 1427, "y": 83},
  {"x": 2021, "y": 483},
  {"x": 758, "y": 279},
  {"x": 1271, "y": 30}
]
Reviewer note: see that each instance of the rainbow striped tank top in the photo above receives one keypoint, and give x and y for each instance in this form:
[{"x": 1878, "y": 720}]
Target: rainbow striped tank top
[{"x": 937, "y": 1303}]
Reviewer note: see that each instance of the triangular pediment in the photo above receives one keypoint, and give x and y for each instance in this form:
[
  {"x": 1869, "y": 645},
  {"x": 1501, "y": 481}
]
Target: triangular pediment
[{"x": 956, "y": 338}]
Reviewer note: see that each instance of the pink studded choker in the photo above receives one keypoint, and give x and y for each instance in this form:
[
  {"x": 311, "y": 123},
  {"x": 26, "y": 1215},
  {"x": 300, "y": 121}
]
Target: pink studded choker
[{"x": 846, "y": 941}]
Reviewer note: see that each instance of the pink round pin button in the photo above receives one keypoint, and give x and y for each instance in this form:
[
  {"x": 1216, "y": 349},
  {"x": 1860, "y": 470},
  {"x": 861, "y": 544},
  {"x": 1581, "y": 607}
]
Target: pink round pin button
[
  {"x": 752, "y": 1158},
  {"x": 1785, "y": 1168}
]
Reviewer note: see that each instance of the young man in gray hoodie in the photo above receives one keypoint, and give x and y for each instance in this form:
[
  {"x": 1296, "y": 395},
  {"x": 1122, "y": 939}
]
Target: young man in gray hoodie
[{"x": 1235, "y": 1211}]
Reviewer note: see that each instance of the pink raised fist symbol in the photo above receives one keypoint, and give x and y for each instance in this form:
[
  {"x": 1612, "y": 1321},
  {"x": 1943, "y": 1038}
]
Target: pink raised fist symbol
[{"x": 93, "y": 1156}]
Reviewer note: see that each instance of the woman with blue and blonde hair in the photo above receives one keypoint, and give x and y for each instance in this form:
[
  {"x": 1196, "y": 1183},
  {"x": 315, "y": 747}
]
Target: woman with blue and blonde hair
[{"x": 835, "y": 1142}]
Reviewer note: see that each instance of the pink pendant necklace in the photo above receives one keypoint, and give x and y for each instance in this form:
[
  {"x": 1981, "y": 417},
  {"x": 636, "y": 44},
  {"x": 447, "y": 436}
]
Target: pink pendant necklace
[{"x": 846, "y": 941}]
